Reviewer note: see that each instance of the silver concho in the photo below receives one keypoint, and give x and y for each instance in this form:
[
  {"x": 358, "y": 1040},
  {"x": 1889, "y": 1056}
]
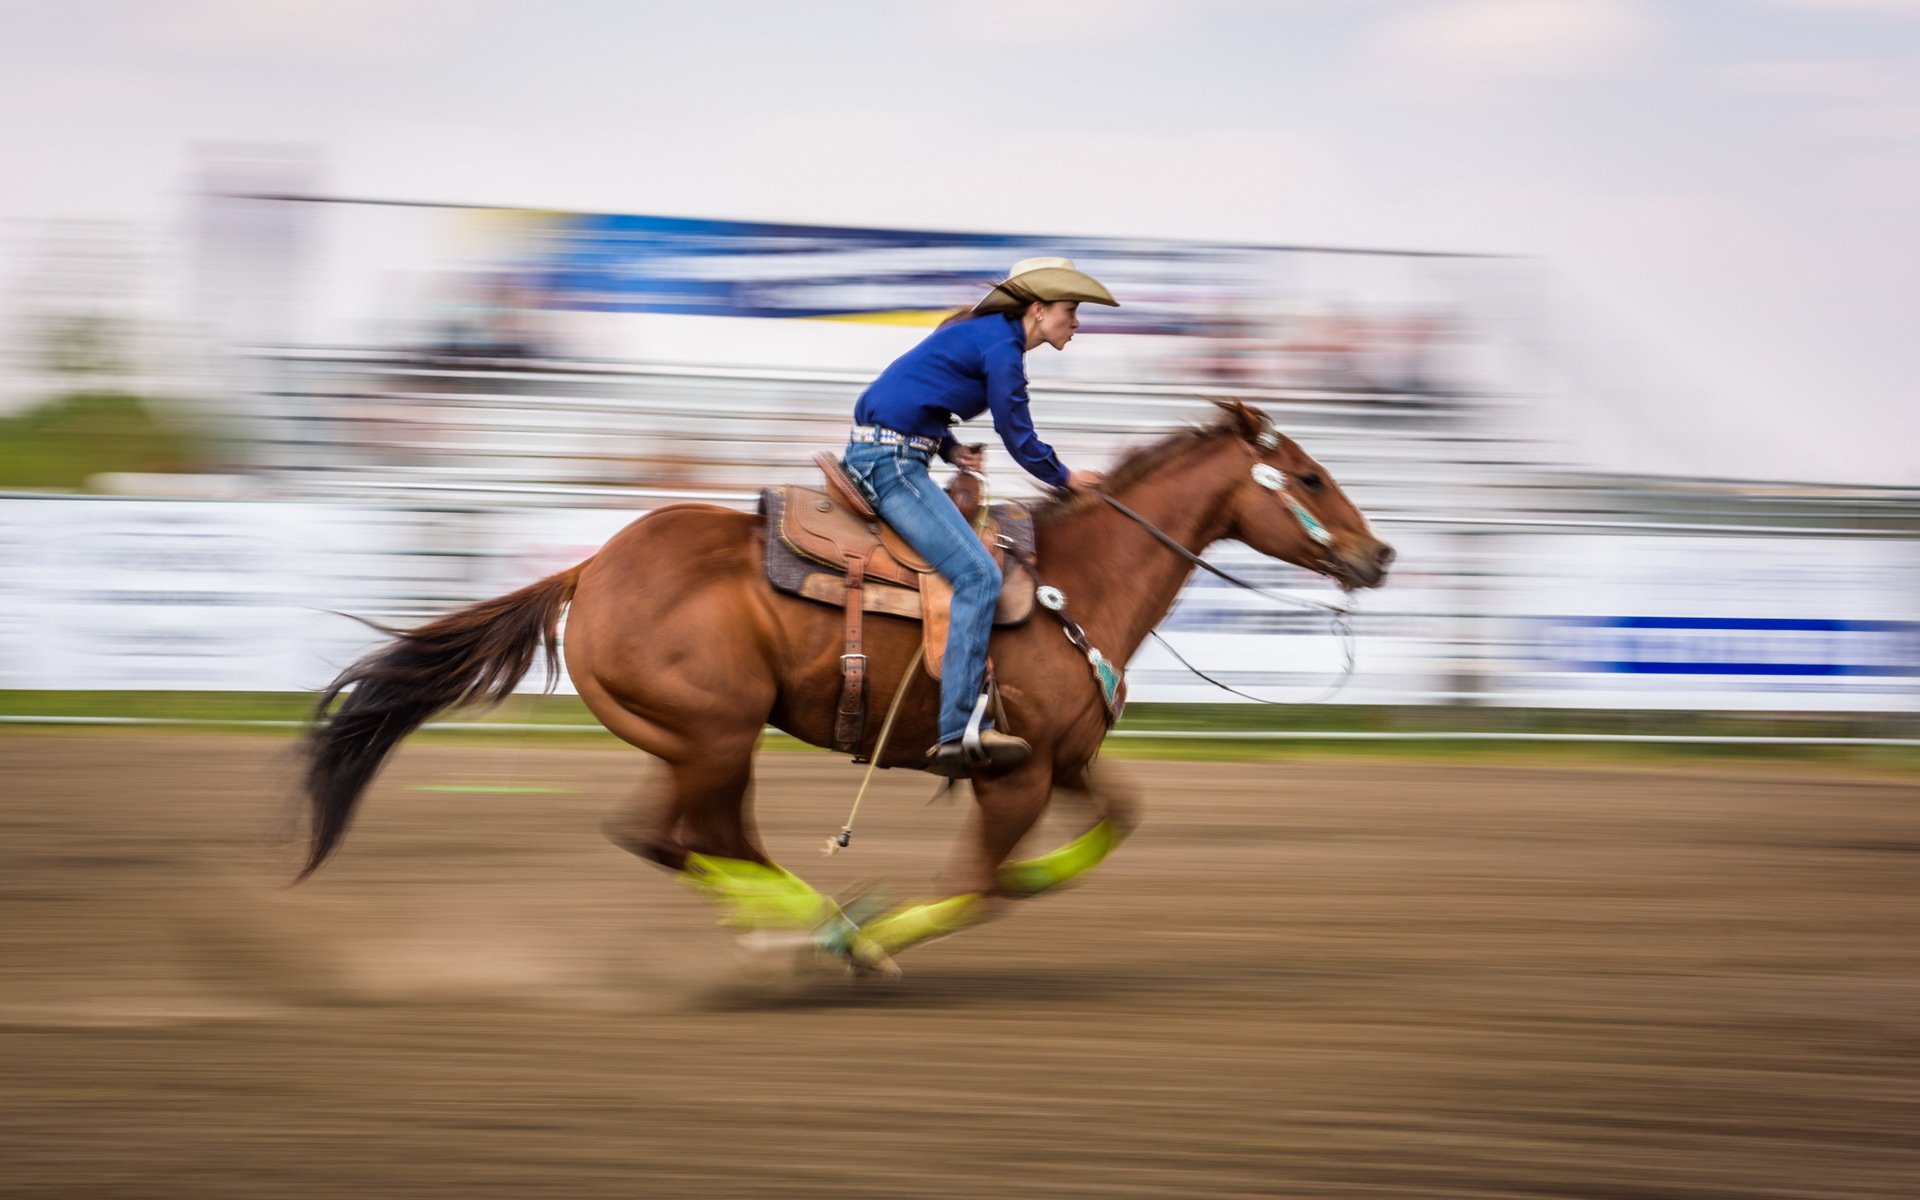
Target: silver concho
[
  {"x": 1050, "y": 597},
  {"x": 1268, "y": 438},
  {"x": 1268, "y": 477}
]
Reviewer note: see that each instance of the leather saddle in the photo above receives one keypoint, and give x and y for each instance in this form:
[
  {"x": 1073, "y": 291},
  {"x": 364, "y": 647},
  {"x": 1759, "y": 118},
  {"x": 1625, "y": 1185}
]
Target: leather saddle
[{"x": 827, "y": 545}]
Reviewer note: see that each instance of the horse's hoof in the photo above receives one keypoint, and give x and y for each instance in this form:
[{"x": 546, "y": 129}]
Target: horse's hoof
[
  {"x": 863, "y": 958},
  {"x": 839, "y": 937},
  {"x": 620, "y": 835},
  {"x": 641, "y": 846},
  {"x": 872, "y": 963}
]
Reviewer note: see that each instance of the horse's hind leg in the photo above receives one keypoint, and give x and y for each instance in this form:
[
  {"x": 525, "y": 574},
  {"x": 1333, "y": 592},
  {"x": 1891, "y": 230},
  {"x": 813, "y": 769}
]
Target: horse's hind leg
[
  {"x": 702, "y": 830},
  {"x": 701, "y": 809}
]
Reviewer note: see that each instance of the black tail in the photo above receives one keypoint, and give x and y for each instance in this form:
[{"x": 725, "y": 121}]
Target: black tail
[{"x": 475, "y": 655}]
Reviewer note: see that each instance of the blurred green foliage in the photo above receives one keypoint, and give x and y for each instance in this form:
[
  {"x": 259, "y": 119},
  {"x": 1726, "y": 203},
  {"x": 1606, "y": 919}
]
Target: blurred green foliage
[
  {"x": 83, "y": 346},
  {"x": 58, "y": 445}
]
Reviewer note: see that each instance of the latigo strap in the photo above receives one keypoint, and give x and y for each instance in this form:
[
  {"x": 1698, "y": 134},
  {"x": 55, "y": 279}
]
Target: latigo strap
[{"x": 850, "y": 723}]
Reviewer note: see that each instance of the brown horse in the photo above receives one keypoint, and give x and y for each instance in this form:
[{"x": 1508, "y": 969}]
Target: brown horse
[{"x": 679, "y": 645}]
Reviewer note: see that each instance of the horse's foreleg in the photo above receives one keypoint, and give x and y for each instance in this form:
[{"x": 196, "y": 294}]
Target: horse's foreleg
[
  {"x": 1115, "y": 809},
  {"x": 912, "y": 924},
  {"x": 1007, "y": 809}
]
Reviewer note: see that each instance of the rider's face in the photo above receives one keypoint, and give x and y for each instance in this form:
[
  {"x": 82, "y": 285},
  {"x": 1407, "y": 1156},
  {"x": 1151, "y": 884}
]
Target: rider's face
[{"x": 1053, "y": 323}]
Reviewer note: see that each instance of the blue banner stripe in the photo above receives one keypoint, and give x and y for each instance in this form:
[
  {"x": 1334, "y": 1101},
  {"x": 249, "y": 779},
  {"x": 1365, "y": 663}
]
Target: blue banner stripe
[
  {"x": 1788, "y": 624},
  {"x": 1733, "y": 646}
]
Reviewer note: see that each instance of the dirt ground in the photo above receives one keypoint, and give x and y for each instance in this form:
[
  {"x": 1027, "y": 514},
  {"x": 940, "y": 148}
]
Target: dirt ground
[{"x": 1313, "y": 978}]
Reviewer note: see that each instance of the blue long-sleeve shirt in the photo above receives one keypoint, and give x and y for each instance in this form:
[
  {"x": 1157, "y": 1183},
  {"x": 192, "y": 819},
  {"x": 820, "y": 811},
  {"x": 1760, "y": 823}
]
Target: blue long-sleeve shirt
[{"x": 956, "y": 373}]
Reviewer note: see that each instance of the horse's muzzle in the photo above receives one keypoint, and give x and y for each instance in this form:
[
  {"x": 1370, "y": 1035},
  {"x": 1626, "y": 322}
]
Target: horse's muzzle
[{"x": 1362, "y": 566}]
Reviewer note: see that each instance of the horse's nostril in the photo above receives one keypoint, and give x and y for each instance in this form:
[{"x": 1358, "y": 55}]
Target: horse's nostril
[{"x": 1384, "y": 555}]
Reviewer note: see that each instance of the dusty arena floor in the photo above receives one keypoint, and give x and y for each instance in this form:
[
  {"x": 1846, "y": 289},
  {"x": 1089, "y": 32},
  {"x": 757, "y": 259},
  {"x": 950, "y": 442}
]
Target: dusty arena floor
[{"x": 1315, "y": 978}]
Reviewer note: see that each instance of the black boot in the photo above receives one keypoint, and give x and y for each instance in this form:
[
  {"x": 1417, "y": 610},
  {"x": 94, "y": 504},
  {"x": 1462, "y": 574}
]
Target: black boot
[{"x": 996, "y": 751}]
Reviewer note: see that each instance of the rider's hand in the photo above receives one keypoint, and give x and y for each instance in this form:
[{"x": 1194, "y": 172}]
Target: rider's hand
[
  {"x": 969, "y": 458},
  {"x": 1084, "y": 481}
]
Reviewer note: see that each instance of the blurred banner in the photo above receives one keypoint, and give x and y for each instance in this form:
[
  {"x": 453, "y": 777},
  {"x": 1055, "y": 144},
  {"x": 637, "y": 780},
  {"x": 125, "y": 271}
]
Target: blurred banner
[
  {"x": 298, "y": 270},
  {"x": 1714, "y": 622},
  {"x": 754, "y": 269},
  {"x": 106, "y": 593}
]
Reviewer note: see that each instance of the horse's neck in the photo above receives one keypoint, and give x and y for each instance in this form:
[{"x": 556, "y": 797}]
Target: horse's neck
[{"x": 1119, "y": 579}]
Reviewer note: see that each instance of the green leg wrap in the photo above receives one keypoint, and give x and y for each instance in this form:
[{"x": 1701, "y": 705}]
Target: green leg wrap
[
  {"x": 916, "y": 923},
  {"x": 753, "y": 895},
  {"x": 1031, "y": 876}
]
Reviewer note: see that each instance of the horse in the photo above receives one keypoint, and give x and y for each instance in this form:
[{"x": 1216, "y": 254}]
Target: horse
[{"x": 679, "y": 645}]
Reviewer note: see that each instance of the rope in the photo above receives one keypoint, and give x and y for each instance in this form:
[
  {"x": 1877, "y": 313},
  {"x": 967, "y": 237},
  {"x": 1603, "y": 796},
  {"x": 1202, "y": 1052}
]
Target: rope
[{"x": 840, "y": 842}]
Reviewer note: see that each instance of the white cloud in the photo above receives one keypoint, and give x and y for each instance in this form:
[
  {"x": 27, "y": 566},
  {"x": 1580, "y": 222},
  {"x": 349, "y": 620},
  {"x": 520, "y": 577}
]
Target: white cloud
[
  {"x": 1472, "y": 45},
  {"x": 1035, "y": 22},
  {"x": 1847, "y": 99},
  {"x": 1892, "y": 8},
  {"x": 65, "y": 88},
  {"x": 1877, "y": 122},
  {"x": 1801, "y": 77},
  {"x": 324, "y": 30},
  {"x": 932, "y": 169}
]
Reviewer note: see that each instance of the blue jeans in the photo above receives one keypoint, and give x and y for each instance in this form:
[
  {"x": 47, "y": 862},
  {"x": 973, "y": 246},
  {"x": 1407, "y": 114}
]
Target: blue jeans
[{"x": 903, "y": 493}]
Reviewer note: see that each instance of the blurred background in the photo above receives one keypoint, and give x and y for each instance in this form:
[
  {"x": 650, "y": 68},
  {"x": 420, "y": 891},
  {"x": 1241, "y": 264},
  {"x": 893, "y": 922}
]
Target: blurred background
[
  {"x": 1603, "y": 310},
  {"x": 1600, "y": 309}
]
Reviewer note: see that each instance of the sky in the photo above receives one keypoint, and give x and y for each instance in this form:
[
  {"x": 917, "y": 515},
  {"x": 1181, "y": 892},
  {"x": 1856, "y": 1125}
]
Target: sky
[{"x": 1724, "y": 192}]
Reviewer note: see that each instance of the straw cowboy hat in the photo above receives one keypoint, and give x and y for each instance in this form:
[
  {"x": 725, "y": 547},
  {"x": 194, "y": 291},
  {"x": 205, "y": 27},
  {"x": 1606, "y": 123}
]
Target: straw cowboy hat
[{"x": 1045, "y": 279}]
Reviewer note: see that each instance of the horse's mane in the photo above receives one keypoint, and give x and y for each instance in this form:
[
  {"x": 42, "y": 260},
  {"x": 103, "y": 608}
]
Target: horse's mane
[{"x": 1134, "y": 465}]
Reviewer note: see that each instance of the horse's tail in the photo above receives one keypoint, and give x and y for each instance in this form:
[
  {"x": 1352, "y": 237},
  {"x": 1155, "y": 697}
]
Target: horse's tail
[{"x": 474, "y": 655}]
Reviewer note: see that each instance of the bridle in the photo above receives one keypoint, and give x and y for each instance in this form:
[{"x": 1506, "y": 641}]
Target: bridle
[{"x": 1274, "y": 480}]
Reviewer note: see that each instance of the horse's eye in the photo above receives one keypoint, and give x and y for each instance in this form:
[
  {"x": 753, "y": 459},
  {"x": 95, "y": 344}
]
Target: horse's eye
[{"x": 1311, "y": 481}]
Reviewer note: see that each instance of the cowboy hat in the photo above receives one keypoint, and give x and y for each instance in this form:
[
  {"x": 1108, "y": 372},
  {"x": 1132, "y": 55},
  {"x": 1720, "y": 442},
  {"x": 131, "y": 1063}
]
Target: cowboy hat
[{"x": 1044, "y": 279}]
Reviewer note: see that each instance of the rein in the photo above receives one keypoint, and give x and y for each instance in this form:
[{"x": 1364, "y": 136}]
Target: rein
[
  {"x": 1167, "y": 541},
  {"x": 1342, "y": 614}
]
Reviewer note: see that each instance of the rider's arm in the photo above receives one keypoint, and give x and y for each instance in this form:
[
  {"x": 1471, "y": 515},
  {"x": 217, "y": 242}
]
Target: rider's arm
[{"x": 1007, "y": 400}]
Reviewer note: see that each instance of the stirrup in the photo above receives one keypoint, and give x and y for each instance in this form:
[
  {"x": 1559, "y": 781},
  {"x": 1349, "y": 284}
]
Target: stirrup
[{"x": 970, "y": 745}]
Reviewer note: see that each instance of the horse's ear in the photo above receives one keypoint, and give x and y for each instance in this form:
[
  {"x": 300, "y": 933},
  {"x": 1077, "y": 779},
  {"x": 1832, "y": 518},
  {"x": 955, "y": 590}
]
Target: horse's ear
[{"x": 1247, "y": 422}]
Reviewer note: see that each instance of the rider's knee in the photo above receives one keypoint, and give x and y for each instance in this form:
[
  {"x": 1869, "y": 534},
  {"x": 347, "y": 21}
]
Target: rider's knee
[{"x": 981, "y": 574}]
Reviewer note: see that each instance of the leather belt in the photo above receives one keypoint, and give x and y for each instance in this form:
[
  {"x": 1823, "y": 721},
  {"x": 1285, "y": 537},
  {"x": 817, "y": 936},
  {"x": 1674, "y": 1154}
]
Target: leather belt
[{"x": 881, "y": 436}]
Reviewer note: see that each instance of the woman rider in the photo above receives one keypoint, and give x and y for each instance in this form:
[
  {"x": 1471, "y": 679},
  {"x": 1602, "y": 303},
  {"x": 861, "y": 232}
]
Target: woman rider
[{"x": 973, "y": 363}]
